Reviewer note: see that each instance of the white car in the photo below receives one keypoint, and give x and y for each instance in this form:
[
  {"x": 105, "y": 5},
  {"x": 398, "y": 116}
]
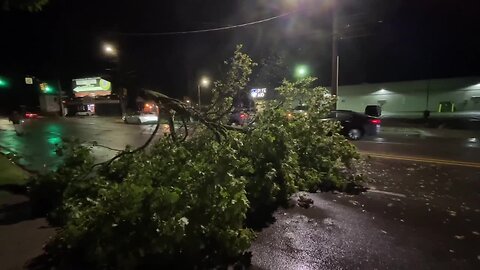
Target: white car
[
  {"x": 141, "y": 118},
  {"x": 85, "y": 113}
]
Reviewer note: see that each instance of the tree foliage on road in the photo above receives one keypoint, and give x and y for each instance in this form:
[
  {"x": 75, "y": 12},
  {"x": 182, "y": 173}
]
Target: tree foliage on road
[{"x": 194, "y": 202}]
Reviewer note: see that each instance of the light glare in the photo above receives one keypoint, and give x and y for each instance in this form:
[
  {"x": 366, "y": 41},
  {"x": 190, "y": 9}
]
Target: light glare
[{"x": 205, "y": 82}]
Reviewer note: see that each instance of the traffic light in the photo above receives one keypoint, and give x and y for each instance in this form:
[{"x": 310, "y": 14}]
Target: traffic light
[
  {"x": 4, "y": 83},
  {"x": 46, "y": 88},
  {"x": 43, "y": 87}
]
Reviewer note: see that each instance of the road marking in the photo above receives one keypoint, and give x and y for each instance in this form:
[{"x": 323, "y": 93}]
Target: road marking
[
  {"x": 387, "y": 193},
  {"x": 423, "y": 159},
  {"x": 380, "y": 142}
]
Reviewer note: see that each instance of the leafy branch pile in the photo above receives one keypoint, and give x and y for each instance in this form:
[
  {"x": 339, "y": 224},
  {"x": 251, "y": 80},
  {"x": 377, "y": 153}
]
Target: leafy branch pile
[{"x": 192, "y": 203}]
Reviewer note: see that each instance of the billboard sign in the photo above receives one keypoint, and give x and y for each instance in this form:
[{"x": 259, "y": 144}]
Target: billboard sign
[
  {"x": 258, "y": 93},
  {"x": 28, "y": 80},
  {"x": 91, "y": 87}
]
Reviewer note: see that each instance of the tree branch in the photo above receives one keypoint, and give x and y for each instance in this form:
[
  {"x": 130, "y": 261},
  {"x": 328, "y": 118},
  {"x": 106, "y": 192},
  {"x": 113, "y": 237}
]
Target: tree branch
[{"x": 186, "y": 129}]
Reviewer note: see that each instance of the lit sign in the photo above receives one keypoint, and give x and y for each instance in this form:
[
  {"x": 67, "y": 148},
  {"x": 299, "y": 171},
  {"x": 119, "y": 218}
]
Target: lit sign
[
  {"x": 91, "y": 87},
  {"x": 258, "y": 92},
  {"x": 86, "y": 82}
]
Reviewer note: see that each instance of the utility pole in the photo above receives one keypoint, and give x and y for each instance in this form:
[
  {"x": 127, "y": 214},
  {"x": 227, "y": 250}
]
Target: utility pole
[
  {"x": 203, "y": 82},
  {"x": 335, "y": 57},
  {"x": 199, "y": 98},
  {"x": 60, "y": 98}
]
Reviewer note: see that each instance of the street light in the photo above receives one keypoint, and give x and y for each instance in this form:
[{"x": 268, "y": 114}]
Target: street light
[
  {"x": 301, "y": 71},
  {"x": 205, "y": 82},
  {"x": 109, "y": 49}
]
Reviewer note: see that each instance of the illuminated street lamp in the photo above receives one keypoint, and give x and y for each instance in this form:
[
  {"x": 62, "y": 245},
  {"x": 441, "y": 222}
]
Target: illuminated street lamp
[
  {"x": 301, "y": 71},
  {"x": 109, "y": 49},
  {"x": 205, "y": 82}
]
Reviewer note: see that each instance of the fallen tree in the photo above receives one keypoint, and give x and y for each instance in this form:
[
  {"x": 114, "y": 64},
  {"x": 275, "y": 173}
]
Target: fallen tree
[{"x": 192, "y": 200}]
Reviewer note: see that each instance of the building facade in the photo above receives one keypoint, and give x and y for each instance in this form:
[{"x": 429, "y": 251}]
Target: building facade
[{"x": 413, "y": 97}]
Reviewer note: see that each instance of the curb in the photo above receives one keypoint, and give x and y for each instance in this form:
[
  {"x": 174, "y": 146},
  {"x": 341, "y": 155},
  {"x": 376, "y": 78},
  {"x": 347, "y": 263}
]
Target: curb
[{"x": 23, "y": 167}]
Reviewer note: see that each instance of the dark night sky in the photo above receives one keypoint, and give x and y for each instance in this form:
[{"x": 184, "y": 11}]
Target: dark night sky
[{"x": 417, "y": 39}]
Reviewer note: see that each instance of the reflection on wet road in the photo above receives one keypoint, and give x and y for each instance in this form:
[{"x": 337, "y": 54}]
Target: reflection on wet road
[
  {"x": 418, "y": 216},
  {"x": 422, "y": 212},
  {"x": 465, "y": 149},
  {"x": 36, "y": 148}
]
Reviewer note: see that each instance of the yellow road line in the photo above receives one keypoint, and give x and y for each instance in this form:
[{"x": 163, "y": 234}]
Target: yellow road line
[{"x": 423, "y": 159}]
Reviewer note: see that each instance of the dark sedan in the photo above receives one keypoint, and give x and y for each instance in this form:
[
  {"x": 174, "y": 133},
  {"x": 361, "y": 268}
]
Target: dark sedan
[
  {"x": 241, "y": 117},
  {"x": 356, "y": 125}
]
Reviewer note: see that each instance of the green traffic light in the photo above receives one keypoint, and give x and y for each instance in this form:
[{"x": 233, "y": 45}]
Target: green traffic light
[
  {"x": 48, "y": 89},
  {"x": 3, "y": 82}
]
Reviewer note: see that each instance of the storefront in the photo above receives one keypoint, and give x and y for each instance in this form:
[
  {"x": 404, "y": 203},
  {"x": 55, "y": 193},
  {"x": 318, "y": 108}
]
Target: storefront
[{"x": 93, "y": 96}]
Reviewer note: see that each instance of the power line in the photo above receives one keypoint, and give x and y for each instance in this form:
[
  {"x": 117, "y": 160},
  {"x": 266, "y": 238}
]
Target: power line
[{"x": 224, "y": 28}]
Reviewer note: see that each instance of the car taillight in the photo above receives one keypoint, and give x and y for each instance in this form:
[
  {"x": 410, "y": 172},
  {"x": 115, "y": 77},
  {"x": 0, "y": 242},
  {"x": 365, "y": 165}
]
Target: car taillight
[{"x": 376, "y": 121}]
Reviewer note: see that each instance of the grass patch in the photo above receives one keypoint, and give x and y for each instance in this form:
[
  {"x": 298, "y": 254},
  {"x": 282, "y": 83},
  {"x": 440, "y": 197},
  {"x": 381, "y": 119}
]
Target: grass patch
[{"x": 11, "y": 174}]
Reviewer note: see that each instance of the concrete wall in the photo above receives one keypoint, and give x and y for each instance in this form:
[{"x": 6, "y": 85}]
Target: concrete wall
[
  {"x": 411, "y": 96},
  {"x": 49, "y": 103}
]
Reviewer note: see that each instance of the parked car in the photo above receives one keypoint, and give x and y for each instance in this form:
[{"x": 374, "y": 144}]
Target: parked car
[
  {"x": 29, "y": 112},
  {"x": 141, "y": 118},
  {"x": 30, "y": 115},
  {"x": 373, "y": 110},
  {"x": 299, "y": 110},
  {"x": 356, "y": 125},
  {"x": 84, "y": 113},
  {"x": 241, "y": 117}
]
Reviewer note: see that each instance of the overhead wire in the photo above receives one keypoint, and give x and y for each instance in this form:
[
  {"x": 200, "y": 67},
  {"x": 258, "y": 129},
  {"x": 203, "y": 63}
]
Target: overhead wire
[{"x": 223, "y": 28}]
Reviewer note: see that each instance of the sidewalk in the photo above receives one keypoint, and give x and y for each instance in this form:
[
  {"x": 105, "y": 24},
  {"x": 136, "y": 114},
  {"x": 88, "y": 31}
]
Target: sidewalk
[
  {"x": 5, "y": 124},
  {"x": 10, "y": 173},
  {"x": 21, "y": 236}
]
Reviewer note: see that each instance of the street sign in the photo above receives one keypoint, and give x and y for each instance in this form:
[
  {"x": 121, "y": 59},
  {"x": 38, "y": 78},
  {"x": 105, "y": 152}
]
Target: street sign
[
  {"x": 258, "y": 93},
  {"x": 28, "y": 80}
]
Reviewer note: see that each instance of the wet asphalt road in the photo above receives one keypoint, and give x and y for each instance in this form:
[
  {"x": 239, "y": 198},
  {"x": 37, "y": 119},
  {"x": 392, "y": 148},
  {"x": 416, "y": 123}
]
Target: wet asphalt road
[
  {"x": 36, "y": 148},
  {"x": 466, "y": 149},
  {"x": 417, "y": 214}
]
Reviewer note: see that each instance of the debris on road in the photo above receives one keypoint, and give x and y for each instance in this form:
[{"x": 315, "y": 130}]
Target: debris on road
[
  {"x": 304, "y": 202},
  {"x": 452, "y": 213}
]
